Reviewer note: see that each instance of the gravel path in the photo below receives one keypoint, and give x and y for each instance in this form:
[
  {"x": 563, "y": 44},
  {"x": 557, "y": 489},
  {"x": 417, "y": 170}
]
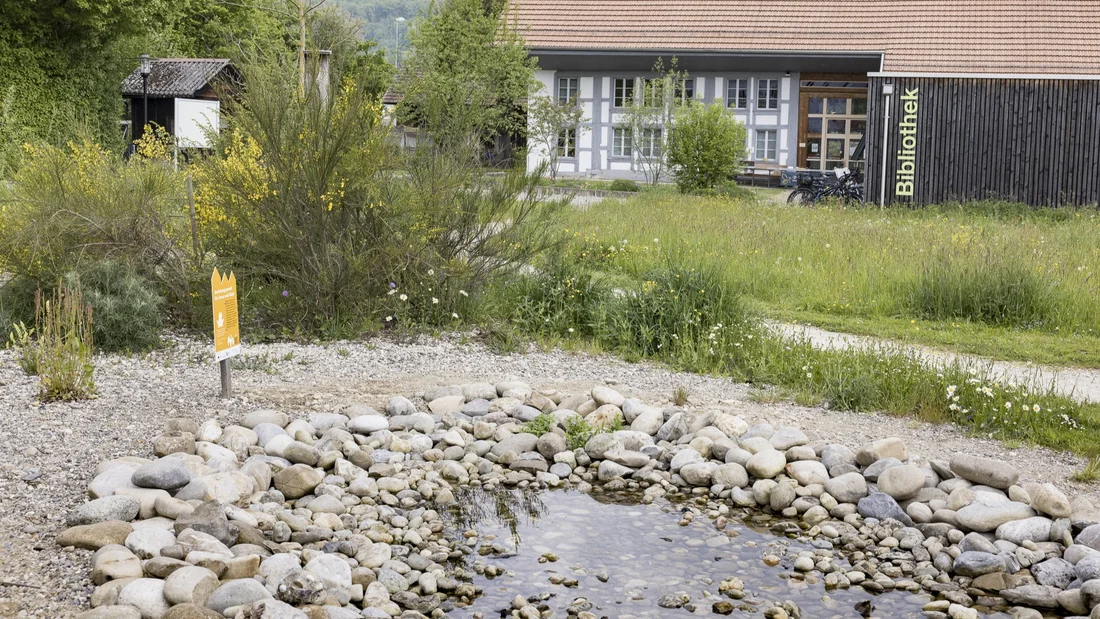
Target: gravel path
[
  {"x": 1080, "y": 384},
  {"x": 49, "y": 452}
]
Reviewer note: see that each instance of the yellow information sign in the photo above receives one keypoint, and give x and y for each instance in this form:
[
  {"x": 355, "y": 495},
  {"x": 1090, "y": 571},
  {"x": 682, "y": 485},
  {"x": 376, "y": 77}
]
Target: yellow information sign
[{"x": 227, "y": 328}]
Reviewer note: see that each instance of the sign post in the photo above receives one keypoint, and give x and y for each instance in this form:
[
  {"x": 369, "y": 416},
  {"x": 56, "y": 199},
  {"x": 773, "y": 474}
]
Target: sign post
[{"x": 227, "y": 329}]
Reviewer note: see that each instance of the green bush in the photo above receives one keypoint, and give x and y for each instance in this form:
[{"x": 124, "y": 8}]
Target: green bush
[
  {"x": 303, "y": 204},
  {"x": 540, "y": 425},
  {"x": 624, "y": 184},
  {"x": 563, "y": 300},
  {"x": 705, "y": 147},
  {"x": 982, "y": 287},
  {"x": 126, "y": 306},
  {"x": 74, "y": 206}
]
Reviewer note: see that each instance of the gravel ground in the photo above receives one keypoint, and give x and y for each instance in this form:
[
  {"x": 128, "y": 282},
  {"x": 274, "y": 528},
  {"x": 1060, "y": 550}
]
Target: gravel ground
[
  {"x": 49, "y": 452},
  {"x": 1077, "y": 383}
]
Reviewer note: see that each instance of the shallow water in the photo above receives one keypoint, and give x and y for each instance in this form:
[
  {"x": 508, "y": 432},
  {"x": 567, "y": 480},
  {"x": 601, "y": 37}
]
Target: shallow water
[{"x": 644, "y": 553}]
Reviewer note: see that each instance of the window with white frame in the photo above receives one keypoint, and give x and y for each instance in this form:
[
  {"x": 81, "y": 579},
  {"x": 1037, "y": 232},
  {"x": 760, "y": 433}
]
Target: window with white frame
[
  {"x": 567, "y": 89},
  {"x": 622, "y": 144},
  {"x": 767, "y": 94},
  {"x": 649, "y": 143},
  {"x": 685, "y": 90},
  {"x": 737, "y": 93},
  {"x": 624, "y": 91},
  {"x": 767, "y": 143},
  {"x": 567, "y": 143}
]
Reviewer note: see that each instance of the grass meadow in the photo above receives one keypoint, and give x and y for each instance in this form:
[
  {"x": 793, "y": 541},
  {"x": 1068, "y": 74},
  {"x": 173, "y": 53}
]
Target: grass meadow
[
  {"x": 684, "y": 281},
  {"x": 989, "y": 279}
]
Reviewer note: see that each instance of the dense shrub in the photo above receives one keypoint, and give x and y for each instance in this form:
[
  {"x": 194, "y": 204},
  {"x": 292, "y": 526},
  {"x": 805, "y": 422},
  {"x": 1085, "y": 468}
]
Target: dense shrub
[
  {"x": 983, "y": 287},
  {"x": 303, "y": 202},
  {"x": 624, "y": 184},
  {"x": 75, "y": 206},
  {"x": 705, "y": 147},
  {"x": 126, "y": 306}
]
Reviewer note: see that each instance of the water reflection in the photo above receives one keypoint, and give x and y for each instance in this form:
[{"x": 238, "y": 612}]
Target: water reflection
[
  {"x": 502, "y": 507},
  {"x": 622, "y": 557}
]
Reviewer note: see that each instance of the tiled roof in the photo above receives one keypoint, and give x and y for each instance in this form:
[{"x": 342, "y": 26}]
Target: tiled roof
[
  {"x": 927, "y": 36},
  {"x": 175, "y": 77}
]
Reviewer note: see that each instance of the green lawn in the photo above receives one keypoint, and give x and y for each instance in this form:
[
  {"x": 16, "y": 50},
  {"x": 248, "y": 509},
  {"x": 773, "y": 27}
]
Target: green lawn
[{"x": 993, "y": 280}]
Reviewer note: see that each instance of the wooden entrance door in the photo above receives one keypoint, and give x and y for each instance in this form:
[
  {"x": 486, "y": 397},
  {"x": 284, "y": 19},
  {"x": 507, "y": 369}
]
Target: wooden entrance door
[{"x": 830, "y": 126}]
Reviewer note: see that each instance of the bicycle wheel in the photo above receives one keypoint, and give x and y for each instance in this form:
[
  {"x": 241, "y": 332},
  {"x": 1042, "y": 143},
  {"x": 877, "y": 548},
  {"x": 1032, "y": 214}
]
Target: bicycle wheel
[{"x": 801, "y": 195}]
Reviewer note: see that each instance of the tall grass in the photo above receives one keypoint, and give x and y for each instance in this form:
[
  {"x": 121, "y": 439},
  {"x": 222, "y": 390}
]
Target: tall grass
[
  {"x": 685, "y": 315},
  {"x": 1001, "y": 290},
  {"x": 1035, "y": 271}
]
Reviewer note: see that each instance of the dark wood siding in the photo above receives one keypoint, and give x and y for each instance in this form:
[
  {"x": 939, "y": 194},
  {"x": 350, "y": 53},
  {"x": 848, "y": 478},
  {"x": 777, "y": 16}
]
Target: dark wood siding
[{"x": 1028, "y": 140}]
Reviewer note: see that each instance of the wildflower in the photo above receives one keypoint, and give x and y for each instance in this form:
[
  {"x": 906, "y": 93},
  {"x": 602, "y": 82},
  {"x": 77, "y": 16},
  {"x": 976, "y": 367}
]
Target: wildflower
[
  {"x": 391, "y": 292},
  {"x": 286, "y": 293},
  {"x": 404, "y": 297},
  {"x": 435, "y": 301},
  {"x": 431, "y": 271},
  {"x": 809, "y": 374},
  {"x": 655, "y": 241},
  {"x": 570, "y": 329},
  {"x": 454, "y": 315},
  {"x": 1008, "y": 405},
  {"x": 392, "y": 285},
  {"x": 389, "y": 318},
  {"x": 463, "y": 293},
  {"x": 1036, "y": 408},
  {"x": 951, "y": 390}
]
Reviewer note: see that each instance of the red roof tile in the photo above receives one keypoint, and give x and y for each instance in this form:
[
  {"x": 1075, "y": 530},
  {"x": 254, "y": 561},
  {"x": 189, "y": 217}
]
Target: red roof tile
[{"x": 941, "y": 36}]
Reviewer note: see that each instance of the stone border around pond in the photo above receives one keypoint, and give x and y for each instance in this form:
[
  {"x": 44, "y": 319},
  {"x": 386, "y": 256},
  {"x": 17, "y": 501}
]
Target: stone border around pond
[{"x": 341, "y": 515}]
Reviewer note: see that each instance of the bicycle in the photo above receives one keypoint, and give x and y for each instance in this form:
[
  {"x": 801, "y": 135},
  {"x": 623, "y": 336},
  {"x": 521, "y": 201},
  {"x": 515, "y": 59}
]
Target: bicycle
[{"x": 811, "y": 190}]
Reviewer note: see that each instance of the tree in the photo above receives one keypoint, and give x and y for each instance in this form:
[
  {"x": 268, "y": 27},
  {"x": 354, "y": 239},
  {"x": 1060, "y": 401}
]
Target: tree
[
  {"x": 468, "y": 75},
  {"x": 550, "y": 119},
  {"x": 650, "y": 115},
  {"x": 705, "y": 147}
]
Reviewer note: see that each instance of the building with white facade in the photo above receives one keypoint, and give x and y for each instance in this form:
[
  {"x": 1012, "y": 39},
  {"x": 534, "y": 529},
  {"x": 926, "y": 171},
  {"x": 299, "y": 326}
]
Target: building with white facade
[{"x": 958, "y": 98}]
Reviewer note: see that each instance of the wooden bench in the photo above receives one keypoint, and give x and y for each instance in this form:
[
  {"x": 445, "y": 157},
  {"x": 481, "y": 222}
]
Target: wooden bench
[{"x": 766, "y": 171}]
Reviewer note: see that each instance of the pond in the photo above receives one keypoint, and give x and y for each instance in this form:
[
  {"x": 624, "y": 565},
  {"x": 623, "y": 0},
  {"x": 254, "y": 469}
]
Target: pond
[{"x": 623, "y": 557}]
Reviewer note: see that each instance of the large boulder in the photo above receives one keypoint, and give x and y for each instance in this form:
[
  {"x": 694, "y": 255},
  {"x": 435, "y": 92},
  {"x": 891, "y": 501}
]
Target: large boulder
[
  {"x": 297, "y": 480},
  {"x": 95, "y": 536},
  {"x": 901, "y": 482},
  {"x": 808, "y": 472},
  {"x": 114, "y": 507},
  {"x": 882, "y": 506},
  {"x": 984, "y": 471},
  {"x": 882, "y": 448},
  {"x": 766, "y": 464},
  {"x": 983, "y": 517},
  {"x": 236, "y": 593},
  {"x": 847, "y": 488}
]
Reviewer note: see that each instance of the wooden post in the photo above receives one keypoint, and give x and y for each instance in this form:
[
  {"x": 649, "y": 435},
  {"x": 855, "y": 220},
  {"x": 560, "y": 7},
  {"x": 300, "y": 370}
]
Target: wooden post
[
  {"x": 227, "y": 379},
  {"x": 194, "y": 223}
]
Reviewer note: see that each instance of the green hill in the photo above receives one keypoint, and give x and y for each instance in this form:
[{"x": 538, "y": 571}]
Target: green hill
[{"x": 379, "y": 17}]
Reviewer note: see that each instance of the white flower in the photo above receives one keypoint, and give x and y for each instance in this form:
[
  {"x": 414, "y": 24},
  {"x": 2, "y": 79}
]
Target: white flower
[
  {"x": 463, "y": 293},
  {"x": 389, "y": 318},
  {"x": 655, "y": 241},
  {"x": 435, "y": 301},
  {"x": 570, "y": 329},
  {"x": 1036, "y": 408},
  {"x": 391, "y": 292},
  {"x": 809, "y": 375},
  {"x": 431, "y": 271},
  {"x": 454, "y": 315},
  {"x": 403, "y": 297},
  {"x": 1008, "y": 404}
]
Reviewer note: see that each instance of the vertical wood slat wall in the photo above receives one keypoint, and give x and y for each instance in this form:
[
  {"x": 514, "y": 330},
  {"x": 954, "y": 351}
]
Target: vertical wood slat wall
[{"x": 1035, "y": 141}]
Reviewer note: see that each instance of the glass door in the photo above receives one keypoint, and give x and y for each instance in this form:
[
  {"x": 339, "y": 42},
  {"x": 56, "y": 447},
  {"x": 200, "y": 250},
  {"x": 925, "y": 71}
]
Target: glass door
[{"x": 834, "y": 124}]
